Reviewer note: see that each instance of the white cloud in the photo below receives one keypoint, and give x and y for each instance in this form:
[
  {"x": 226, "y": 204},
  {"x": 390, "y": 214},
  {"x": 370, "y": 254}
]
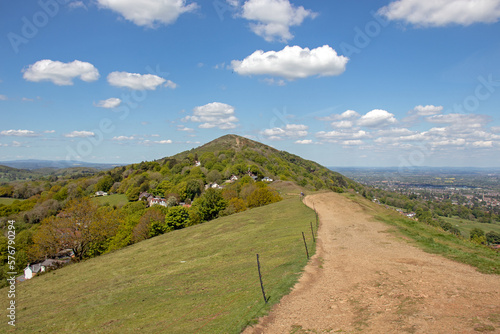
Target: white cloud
[
  {"x": 437, "y": 13},
  {"x": 377, "y": 118},
  {"x": 495, "y": 129},
  {"x": 273, "y": 18},
  {"x": 343, "y": 124},
  {"x": 160, "y": 142},
  {"x": 450, "y": 142},
  {"x": 293, "y": 62},
  {"x": 123, "y": 138},
  {"x": 61, "y": 74},
  {"x": 3, "y": 97},
  {"x": 345, "y": 135},
  {"x": 110, "y": 103},
  {"x": 149, "y": 13},
  {"x": 352, "y": 142},
  {"x": 170, "y": 84},
  {"x": 79, "y": 134},
  {"x": 19, "y": 133},
  {"x": 274, "y": 82},
  {"x": 289, "y": 131},
  {"x": 458, "y": 119},
  {"x": 213, "y": 115},
  {"x": 304, "y": 141},
  {"x": 346, "y": 115},
  {"x": 49, "y": 131},
  {"x": 487, "y": 143},
  {"x": 427, "y": 110},
  {"x": 184, "y": 128},
  {"x": 136, "y": 81}
]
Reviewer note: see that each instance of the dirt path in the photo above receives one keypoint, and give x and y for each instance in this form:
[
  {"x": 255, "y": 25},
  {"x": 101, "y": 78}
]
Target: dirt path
[{"x": 363, "y": 279}]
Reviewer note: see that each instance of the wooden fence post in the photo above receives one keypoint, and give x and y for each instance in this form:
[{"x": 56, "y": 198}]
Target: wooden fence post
[
  {"x": 305, "y": 244},
  {"x": 312, "y": 232},
  {"x": 260, "y": 278}
]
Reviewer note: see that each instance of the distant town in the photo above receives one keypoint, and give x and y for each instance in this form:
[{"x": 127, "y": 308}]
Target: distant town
[{"x": 471, "y": 187}]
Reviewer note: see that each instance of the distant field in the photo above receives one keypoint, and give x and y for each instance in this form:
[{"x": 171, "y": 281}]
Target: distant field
[
  {"x": 116, "y": 199},
  {"x": 202, "y": 279},
  {"x": 465, "y": 226},
  {"x": 7, "y": 200}
]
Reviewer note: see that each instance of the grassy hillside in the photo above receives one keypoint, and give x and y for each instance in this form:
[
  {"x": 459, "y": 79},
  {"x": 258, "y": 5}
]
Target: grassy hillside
[
  {"x": 7, "y": 200},
  {"x": 118, "y": 200},
  {"x": 202, "y": 279}
]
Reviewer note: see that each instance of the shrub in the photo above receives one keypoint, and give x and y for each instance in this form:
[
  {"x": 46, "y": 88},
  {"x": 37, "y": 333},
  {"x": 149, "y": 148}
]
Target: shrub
[{"x": 262, "y": 196}]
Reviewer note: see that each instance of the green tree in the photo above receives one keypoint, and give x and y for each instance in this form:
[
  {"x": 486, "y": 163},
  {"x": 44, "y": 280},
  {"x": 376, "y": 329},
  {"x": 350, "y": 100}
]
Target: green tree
[
  {"x": 105, "y": 183},
  {"x": 177, "y": 218},
  {"x": 143, "y": 230},
  {"x": 210, "y": 204},
  {"x": 477, "y": 236},
  {"x": 133, "y": 194},
  {"x": 82, "y": 227},
  {"x": 493, "y": 238},
  {"x": 214, "y": 176}
]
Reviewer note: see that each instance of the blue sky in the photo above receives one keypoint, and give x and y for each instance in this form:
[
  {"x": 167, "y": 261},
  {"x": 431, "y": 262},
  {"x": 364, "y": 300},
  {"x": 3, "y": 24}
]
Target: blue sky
[{"x": 344, "y": 83}]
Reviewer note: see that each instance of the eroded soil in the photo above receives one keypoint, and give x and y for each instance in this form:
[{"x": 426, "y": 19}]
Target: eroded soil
[{"x": 364, "y": 279}]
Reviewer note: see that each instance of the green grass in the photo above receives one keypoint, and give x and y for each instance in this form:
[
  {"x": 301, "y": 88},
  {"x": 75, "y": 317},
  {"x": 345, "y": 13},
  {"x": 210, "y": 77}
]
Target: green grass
[
  {"x": 436, "y": 241},
  {"x": 117, "y": 200},
  {"x": 202, "y": 279},
  {"x": 8, "y": 201},
  {"x": 466, "y": 226}
]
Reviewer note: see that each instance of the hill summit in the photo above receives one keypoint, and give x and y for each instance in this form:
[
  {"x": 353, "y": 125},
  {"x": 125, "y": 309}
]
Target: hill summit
[{"x": 235, "y": 155}]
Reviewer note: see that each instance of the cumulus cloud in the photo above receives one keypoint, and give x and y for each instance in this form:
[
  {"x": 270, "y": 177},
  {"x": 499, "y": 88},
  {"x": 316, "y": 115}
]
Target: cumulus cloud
[
  {"x": 458, "y": 119},
  {"x": 184, "y": 128},
  {"x": 346, "y": 115},
  {"x": 272, "y": 19},
  {"x": 343, "y": 124},
  {"x": 213, "y": 115},
  {"x": 19, "y": 133},
  {"x": 293, "y": 62},
  {"x": 304, "y": 141},
  {"x": 137, "y": 81},
  {"x": 437, "y": 13},
  {"x": 334, "y": 136},
  {"x": 149, "y": 13},
  {"x": 59, "y": 73},
  {"x": 427, "y": 110},
  {"x": 357, "y": 142},
  {"x": 160, "y": 142},
  {"x": 123, "y": 138},
  {"x": 288, "y": 131},
  {"x": 3, "y": 97},
  {"x": 483, "y": 143},
  {"x": 377, "y": 118},
  {"x": 170, "y": 84},
  {"x": 79, "y": 134},
  {"x": 110, "y": 103}
]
